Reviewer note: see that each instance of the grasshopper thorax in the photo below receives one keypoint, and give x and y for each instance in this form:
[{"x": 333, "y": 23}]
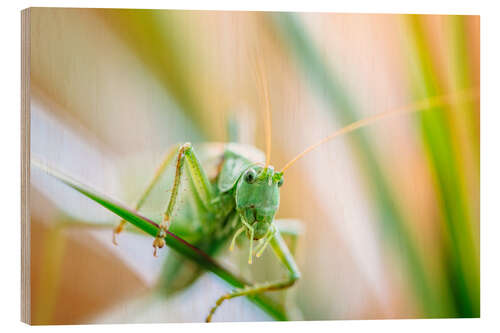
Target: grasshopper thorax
[{"x": 258, "y": 197}]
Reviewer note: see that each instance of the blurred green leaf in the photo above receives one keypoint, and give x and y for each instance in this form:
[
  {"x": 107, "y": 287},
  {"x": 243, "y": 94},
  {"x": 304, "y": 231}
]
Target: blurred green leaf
[
  {"x": 437, "y": 133},
  {"x": 156, "y": 38}
]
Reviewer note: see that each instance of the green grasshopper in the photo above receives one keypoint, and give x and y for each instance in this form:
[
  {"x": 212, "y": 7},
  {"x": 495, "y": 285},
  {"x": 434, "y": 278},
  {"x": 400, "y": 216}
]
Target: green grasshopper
[{"x": 242, "y": 197}]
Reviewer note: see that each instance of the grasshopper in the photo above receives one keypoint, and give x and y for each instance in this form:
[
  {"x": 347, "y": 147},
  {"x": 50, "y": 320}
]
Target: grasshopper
[{"x": 243, "y": 199}]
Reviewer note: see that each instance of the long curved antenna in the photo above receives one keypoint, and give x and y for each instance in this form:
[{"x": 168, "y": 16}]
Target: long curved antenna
[
  {"x": 421, "y": 105},
  {"x": 267, "y": 105}
]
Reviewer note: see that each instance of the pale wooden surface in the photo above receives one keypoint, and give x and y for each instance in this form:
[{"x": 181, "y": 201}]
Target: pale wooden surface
[{"x": 98, "y": 104}]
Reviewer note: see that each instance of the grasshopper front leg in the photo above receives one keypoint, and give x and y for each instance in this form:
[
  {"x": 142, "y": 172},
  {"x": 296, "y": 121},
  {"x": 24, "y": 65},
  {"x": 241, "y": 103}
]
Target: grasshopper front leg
[
  {"x": 283, "y": 253},
  {"x": 201, "y": 185}
]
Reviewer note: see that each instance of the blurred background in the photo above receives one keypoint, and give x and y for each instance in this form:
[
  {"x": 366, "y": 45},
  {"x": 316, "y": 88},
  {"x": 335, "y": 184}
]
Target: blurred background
[{"x": 390, "y": 213}]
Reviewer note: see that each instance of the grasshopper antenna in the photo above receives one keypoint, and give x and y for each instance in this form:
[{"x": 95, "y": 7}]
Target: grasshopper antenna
[
  {"x": 420, "y": 105},
  {"x": 263, "y": 84}
]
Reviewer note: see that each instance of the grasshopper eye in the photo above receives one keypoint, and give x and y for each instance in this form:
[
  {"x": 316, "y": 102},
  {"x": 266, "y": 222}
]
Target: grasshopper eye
[
  {"x": 250, "y": 176},
  {"x": 281, "y": 181}
]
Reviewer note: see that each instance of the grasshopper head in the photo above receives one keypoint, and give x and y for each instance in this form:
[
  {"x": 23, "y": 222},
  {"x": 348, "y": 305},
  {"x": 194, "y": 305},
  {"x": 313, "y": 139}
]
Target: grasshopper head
[{"x": 258, "y": 198}]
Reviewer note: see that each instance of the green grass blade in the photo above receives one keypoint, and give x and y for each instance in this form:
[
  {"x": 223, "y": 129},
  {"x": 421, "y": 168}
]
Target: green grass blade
[
  {"x": 174, "y": 242},
  {"x": 445, "y": 155}
]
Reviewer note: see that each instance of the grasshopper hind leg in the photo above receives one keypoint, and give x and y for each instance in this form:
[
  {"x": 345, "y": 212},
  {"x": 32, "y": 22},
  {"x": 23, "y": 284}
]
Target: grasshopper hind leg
[
  {"x": 161, "y": 168},
  {"x": 184, "y": 153}
]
